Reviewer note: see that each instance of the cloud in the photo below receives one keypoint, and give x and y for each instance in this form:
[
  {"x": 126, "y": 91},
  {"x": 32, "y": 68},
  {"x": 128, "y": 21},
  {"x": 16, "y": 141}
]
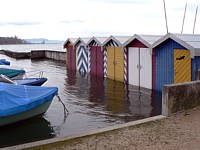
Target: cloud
[
  {"x": 19, "y": 23},
  {"x": 124, "y": 1},
  {"x": 73, "y": 21}
]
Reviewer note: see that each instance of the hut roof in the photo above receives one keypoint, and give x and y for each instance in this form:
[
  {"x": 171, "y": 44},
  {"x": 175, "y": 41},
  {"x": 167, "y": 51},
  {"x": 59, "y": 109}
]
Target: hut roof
[
  {"x": 70, "y": 40},
  {"x": 82, "y": 40},
  {"x": 99, "y": 40},
  {"x": 147, "y": 40},
  {"x": 118, "y": 40},
  {"x": 189, "y": 41}
]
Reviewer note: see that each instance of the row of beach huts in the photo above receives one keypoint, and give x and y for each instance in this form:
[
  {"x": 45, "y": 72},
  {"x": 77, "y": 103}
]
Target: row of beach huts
[{"x": 149, "y": 61}]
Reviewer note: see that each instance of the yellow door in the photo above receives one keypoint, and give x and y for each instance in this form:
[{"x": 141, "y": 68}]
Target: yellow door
[
  {"x": 182, "y": 66},
  {"x": 115, "y": 63},
  {"x": 110, "y": 62},
  {"x": 119, "y": 64}
]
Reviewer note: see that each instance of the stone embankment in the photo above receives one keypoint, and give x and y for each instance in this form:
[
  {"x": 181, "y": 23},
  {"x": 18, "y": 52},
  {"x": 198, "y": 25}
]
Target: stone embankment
[{"x": 36, "y": 54}]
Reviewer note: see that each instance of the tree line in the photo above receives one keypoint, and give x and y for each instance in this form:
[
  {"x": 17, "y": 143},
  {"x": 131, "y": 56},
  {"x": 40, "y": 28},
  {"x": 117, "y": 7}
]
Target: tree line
[{"x": 12, "y": 40}]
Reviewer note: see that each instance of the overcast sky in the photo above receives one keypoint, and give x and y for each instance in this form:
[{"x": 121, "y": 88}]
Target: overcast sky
[{"x": 62, "y": 19}]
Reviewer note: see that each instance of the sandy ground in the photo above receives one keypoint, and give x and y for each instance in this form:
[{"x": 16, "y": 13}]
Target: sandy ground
[{"x": 181, "y": 131}]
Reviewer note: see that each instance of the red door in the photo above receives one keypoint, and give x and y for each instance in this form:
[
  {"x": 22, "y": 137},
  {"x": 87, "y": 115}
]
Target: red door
[
  {"x": 99, "y": 62},
  {"x": 71, "y": 58},
  {"x": 93, "y": 59},
  {"x": 96, "y": 61}
]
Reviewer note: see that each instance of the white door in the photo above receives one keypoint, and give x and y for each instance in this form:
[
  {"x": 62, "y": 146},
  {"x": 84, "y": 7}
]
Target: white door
[
  {"x": 133, "y": 59},
  {"x": 140, "y": 67},
  {"x": 146, "y": 68}
]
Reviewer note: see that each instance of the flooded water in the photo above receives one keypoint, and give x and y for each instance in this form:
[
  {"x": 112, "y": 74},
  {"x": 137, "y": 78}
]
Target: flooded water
[{"x": 92, "y": 103}]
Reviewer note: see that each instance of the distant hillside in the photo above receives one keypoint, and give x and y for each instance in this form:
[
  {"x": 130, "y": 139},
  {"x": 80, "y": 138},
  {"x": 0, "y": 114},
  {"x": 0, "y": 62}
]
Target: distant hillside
[
  {"x": 12, "y": 40},
  {"x": 42, "y": 40}
]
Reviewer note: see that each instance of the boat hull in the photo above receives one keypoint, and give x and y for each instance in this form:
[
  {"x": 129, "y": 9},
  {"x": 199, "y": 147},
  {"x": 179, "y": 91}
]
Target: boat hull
[
  {"x": 31, "y": 81},
  {"x": 41, "y": 109}
]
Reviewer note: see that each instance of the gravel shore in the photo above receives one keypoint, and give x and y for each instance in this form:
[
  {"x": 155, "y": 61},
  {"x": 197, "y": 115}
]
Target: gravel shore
[{"x": 181, "y": 131}]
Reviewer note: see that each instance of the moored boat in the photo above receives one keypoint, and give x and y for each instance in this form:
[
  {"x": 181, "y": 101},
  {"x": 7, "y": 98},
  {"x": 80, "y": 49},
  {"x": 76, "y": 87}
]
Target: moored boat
[
  {"x": 24, "y": 81},
  {"x": 31, "y": 81},
  {"x": 11, "y": 72},
  {"x": 4, "y": 62},
  {"x": 20, "y": 102}
]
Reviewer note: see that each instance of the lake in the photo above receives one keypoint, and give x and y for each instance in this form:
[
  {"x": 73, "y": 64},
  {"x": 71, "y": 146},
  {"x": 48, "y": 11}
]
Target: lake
[
  {"x": 92, "y": 103},
  {"x": 29, "y": 47}
]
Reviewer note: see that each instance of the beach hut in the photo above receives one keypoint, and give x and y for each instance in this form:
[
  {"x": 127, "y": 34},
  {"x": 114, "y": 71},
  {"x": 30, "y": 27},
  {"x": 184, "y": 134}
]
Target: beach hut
[
  {"x": 95, "y": 45},
  {"x": 70, "y": 53},
  {"x": 82, "y": 55},
  {"x": 139, "y": 60},
  {"x": 114, "y": 58},
  {"x": 175, "y": 59}
]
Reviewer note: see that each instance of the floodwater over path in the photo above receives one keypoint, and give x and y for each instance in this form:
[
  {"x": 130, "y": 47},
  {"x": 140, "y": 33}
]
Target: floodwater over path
[{"x": 91, "y": 101}]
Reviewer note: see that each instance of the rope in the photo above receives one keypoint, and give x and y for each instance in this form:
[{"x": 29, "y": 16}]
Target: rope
[
  {"x": 34, "y": 73},
  {"x": 66, "y": 112}
]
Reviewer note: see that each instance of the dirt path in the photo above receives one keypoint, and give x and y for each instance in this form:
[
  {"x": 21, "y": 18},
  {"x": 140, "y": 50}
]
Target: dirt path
[{"x": 181, "y": 131}]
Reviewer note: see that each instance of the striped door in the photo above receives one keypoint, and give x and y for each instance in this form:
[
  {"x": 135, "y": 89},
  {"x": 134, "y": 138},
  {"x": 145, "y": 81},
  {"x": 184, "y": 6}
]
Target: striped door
[
  {"x": 115, "y": 63},
  {"x": 82, "y": 60},
  {"x": 182, "y": 66}
]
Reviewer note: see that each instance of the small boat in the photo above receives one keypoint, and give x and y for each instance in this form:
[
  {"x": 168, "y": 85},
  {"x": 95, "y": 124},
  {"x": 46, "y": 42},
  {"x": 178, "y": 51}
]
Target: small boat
[
  {"x": 4, "y": 62},
  {"x": 20, "y": 102},
  {"x": 24, "y": 81},
  {"x": 31, "y": 81},
  {"x": 11, "y": 72}
]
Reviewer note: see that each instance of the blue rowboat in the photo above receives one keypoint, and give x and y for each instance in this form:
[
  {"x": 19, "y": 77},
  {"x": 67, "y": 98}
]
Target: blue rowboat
[
  {"x": 4, "y": 62},
  {"x": 20, "y": 102},
  {"x": 30, "y": 81}
]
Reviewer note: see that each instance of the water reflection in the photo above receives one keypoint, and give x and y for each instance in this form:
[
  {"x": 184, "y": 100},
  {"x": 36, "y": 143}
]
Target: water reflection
[
  {"x": 26, "y": 131},
  {"x": 92, "y": 103},
  {"x": 115, "y": 100}
]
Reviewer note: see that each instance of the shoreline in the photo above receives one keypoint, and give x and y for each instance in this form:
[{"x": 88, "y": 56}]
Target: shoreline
[{"x": 180, "y": 131}]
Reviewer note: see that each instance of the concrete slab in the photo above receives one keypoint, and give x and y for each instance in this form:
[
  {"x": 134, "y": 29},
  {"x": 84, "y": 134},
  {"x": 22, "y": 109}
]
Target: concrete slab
[{"x": 37, "y": 143}]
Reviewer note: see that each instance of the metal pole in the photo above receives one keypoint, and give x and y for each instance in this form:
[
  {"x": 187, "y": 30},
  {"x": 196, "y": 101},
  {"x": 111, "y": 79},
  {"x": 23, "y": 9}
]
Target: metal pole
[
  {"x": 184, "y": 17},
  {"x": 165, "y": 16},
  {"x": 195, "y": 19}
]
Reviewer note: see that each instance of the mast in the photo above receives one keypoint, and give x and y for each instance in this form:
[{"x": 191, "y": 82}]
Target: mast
[
  {"x": 184, "y": 18},
  {"x": 195, "y": 19},
  {"x": 165, "y": 15}
]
